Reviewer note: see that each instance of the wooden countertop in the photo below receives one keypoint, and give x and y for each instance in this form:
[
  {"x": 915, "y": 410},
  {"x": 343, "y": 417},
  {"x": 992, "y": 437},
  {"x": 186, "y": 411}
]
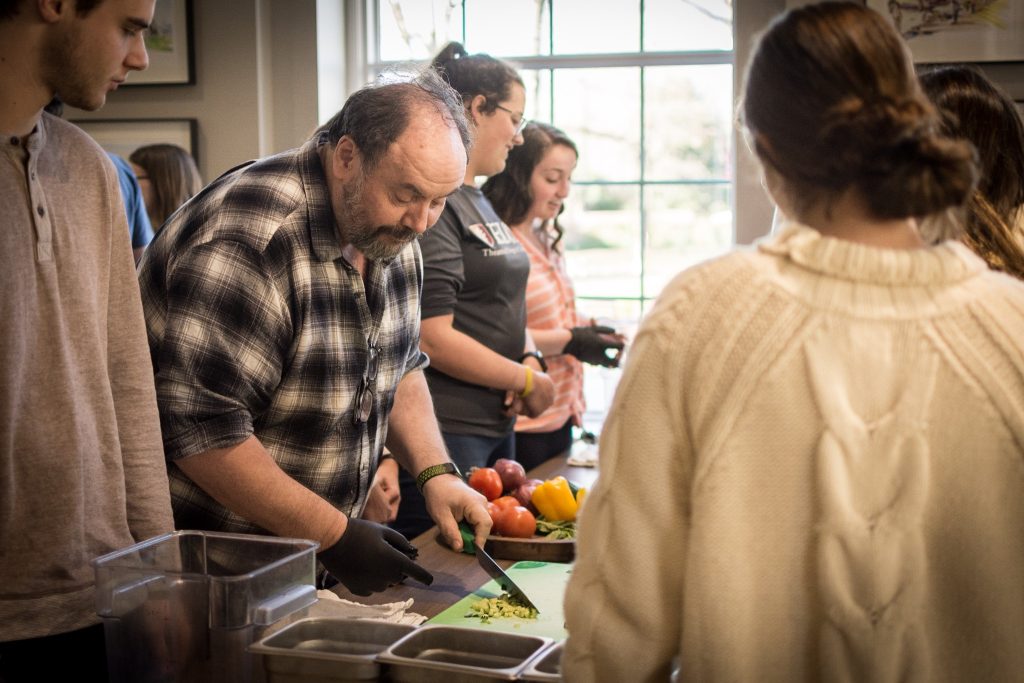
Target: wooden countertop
[{"x": 456, "y": 575}]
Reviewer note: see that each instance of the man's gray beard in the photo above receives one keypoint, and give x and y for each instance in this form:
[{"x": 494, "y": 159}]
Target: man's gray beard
[{"x": 357, "y": 230}]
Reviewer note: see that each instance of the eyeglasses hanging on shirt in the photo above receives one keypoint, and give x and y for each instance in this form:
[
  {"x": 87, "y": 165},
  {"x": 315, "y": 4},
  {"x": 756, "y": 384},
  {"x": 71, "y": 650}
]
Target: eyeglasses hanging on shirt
[{"x": 367, "y": 387}]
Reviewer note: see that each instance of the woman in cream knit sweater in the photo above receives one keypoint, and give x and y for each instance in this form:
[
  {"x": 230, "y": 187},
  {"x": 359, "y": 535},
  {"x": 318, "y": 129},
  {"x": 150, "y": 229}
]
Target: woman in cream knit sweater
[{"x": 812, "y": 469}]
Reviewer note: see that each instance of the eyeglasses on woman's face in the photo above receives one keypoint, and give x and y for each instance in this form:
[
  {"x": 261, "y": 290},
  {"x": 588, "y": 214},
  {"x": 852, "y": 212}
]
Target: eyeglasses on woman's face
[{"x": 518, "y": 120}]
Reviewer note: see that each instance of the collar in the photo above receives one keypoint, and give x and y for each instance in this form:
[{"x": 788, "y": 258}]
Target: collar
[
  {"x": 323, "y": 231},
  {"x": 945, "y": 263}
]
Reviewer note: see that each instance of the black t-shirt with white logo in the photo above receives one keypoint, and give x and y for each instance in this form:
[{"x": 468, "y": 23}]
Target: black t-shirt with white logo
[{"x": 474, "y": 268}]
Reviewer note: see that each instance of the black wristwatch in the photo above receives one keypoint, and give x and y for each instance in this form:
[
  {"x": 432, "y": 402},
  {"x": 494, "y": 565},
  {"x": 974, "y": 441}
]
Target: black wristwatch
[
  {"x": 436, "y": 471},
  {"x": 539, "y": 356}
]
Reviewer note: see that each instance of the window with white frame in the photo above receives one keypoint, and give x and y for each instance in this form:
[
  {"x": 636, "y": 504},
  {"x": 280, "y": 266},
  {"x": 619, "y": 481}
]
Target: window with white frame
[{"x": 644, "y": 88}]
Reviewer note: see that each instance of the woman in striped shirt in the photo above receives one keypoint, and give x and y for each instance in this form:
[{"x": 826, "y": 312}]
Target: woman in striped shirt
[{"x": 528, "y": 195}]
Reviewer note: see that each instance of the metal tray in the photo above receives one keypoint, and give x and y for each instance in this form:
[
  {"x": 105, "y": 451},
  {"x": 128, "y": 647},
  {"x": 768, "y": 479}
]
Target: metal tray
[
  {"x": 546, "y": 666},
  {"x": 327, "y": 649},
  {"x": 450, "y": 654}
]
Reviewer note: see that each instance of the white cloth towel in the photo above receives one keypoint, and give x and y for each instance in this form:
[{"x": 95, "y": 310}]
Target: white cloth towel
[{"x": 331, "y": 605}]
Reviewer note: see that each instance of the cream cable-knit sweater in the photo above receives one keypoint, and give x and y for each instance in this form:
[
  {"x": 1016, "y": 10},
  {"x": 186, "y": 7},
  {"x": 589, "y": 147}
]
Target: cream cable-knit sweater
[{"x": 812, "y": 470}]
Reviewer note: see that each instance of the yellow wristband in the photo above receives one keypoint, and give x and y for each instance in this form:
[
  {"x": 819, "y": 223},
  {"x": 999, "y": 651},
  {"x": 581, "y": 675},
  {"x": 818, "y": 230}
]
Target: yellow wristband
[{"x": 528, "y": 389}]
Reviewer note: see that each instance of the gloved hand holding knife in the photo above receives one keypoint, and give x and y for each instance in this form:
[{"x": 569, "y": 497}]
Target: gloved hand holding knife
[{"x": 369, "y": 557}]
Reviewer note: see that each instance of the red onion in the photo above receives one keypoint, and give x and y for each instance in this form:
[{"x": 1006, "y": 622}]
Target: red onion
[
  {"x": 524, "y": 493},
  {"x": 511, "y": 472}
]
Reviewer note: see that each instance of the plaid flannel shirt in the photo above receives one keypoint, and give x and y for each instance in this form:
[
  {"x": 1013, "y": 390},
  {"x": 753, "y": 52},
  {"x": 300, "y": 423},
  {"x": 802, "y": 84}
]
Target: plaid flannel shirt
[{"x": 258, "y": 325}]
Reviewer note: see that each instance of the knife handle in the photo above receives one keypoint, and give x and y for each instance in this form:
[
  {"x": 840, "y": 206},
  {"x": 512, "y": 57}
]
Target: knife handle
[{"x": 467, "y": 538}]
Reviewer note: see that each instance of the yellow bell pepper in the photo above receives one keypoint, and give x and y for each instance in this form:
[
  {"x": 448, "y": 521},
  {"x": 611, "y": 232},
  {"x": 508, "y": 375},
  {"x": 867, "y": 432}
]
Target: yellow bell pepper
[
  {"x": 580, "y": 495},
  {"x": 554, "y": 500}
]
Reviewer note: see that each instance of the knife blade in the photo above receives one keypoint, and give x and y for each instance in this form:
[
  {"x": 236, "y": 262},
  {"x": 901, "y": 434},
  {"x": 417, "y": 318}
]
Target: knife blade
[{"x": 501, "y": 578}]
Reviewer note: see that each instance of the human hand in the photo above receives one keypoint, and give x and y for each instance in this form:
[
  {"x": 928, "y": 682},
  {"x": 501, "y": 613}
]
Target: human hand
[
  {"x": 449, "y": 501},
  {"x": 542, "y": 396},
  {"x": 369, "y": 557},
  {"x": 384, "y": 496},
  {"x": 513, "y": 405},
  {"x": 591, "y": 343}
]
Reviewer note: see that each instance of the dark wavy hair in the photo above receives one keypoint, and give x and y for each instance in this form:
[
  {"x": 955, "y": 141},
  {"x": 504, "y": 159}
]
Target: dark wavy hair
[
  {"x": 831, "y": 102},
  {"x": 976, "y": 110},
  {"x": 478, "y": 74},
  {"x": 509, "y": 191},
  {"x": 377, "y": 114}
]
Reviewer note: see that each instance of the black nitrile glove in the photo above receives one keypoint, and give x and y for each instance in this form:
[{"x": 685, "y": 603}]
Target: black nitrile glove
[
  {"x": 588, "y": 344},
  {"x": 369, "y": 557}
]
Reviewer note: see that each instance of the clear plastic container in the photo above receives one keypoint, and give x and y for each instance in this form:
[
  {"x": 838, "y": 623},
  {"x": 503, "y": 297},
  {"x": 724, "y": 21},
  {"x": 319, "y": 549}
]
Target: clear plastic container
[{"x": 185, "y": 606}]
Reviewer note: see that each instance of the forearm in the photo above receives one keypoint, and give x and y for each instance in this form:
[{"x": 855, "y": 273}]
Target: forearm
[
  {"x": 464, "y": 358},
  {"x": 245, "y": 479},
  {"x": 550, "y": 342},
  {"x": 415, "y": 441},
  {"x": 414, "y": 438}
]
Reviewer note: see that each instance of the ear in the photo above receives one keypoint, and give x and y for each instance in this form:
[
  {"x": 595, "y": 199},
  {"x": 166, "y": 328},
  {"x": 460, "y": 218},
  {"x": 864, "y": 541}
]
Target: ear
[
  {"x": 52, "y": 11},
  {"x": 475, "y": 108},
  {"x": 345, "y": 159}
]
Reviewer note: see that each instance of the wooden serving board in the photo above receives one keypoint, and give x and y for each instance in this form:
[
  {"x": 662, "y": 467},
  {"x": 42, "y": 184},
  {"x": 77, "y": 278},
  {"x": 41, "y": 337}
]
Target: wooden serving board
[
  {"x": 543, "y": 582},
  {"x": 537, "y": 548}
]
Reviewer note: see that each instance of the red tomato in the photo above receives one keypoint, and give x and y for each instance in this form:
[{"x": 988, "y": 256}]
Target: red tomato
[
  {"x": 506, "y": 502},
  {"x": 496, "y": 512},
  {"x": 486, "y": 481},
  {"x": 517, "y": 522}
]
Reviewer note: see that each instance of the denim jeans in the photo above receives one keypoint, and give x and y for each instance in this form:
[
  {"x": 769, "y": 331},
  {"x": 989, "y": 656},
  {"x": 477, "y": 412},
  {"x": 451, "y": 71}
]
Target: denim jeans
[{"x": 535, "y": 448}]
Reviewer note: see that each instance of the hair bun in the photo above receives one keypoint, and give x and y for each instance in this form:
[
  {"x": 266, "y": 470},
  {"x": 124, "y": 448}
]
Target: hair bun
[
  {"x": 892, "y": 149},
  {"x": 877, "y": 124},
  {"x": 451, "y": 52},
  {"x": 921, "y": 175}
]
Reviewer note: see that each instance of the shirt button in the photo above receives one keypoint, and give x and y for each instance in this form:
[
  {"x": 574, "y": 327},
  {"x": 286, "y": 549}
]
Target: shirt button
[
  {"x": 40, "y": 210},
  {"x": 15, "y": 141}
]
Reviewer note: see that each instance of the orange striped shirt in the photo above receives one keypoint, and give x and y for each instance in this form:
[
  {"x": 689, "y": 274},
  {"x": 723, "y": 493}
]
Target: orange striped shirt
[{"x": 551, "y": 304}]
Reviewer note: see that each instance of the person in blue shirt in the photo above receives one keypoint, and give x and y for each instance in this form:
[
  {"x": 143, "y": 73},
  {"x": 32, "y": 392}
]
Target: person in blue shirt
[{"x": 138, "y": 220}]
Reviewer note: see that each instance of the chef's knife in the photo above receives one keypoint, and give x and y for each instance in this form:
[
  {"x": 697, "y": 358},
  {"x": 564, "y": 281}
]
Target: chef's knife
[{"x": 499, "y": 575}]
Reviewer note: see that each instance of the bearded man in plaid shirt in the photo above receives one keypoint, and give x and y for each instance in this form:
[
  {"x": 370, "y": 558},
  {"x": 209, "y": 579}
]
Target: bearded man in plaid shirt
[{"x": 283, "y": 309}]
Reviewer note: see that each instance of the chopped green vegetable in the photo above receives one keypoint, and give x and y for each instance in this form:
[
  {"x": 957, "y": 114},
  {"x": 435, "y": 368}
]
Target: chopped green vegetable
[
  {"x": 501, "y": 607},
  {"x": 556, "y": 530}
]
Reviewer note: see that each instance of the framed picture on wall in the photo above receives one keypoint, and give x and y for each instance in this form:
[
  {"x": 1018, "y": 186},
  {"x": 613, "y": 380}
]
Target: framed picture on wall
[
  {"x": 124, "y": 136},
  {"x": 169, "y": 44},
  {"x": 947, "y": 31}
]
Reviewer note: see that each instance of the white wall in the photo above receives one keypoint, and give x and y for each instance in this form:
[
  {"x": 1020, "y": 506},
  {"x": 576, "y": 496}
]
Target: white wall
[{"x": 753, "y": 208}]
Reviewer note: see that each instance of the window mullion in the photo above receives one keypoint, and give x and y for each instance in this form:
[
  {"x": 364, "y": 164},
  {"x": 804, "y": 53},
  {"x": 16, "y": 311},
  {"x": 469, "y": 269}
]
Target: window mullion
[{"x": 643, "y": 184}]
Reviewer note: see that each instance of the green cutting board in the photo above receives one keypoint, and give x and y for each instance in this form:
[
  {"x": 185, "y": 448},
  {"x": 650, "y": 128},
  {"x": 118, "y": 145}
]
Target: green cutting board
[{"x": 543, "y": 582}]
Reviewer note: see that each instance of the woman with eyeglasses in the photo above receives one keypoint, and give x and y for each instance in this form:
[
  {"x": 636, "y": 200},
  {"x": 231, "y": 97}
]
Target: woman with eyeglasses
[
  {"x": 529, "y": 196},
  {"x": 168, "y": 177},
  {"x": 484, "y": 368},
  {"x": 812, "y": 469}
]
